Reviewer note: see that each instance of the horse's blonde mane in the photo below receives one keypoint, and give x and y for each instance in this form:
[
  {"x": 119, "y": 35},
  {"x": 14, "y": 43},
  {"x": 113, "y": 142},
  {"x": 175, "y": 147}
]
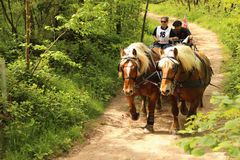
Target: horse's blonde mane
[
  {"x": 142, "y": 50},
  {"x": 186, "y": 56}
]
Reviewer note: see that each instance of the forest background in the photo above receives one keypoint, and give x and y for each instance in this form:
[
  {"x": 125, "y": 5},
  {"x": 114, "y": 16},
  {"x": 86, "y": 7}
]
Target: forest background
[{"x": 58, "y": 69}]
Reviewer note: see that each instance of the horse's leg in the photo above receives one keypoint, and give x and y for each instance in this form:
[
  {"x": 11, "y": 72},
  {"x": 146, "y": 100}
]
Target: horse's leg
[
  {"x": 183, "y": 108},
  {"x": 193, "y": 107},
  {"x": 144, "y": 99},
  {"x": 132, "y": 108},
  {"x": 159, "y": 104},
  {"x": 201, "y": 103},
  {"x": 175, "y": 112},
  {"x": 193, "y": 110},
  {"x": 151, "y": 108}
]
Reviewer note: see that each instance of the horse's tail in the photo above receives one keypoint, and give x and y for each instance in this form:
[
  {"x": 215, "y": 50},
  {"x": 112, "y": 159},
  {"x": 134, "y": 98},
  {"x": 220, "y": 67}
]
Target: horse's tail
[{"x": 208, "y": 74}]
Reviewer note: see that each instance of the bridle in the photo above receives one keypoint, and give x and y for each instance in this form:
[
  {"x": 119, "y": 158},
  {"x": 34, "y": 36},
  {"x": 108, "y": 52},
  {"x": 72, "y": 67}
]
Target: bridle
[
  {"x": 182, "y": 84},
  {"x": 134, "y": 60},
  {"x": 142, "y": 79},
  {"x": 175, "y": 68}
]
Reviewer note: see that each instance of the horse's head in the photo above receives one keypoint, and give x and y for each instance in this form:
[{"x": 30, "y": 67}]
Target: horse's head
[
  {"x": 129, "y": 69},
  {"x": 169, "y": 66}
]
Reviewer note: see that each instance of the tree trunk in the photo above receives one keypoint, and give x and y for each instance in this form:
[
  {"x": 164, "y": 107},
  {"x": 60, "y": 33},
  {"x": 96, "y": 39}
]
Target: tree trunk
[
  {"x": 144, "y": 21},
  {"x": 27, "y": 31},
  {"x": 189, "y": 5},
  {"x": 3, "y": 84},
  {"x": 1, "y": 142},
  {"x": 182, "y": 2},
  {"x": 9, "y": 19},
  {"x": 119, "y": 22},
  {"x": 10, "y": 9},
  {"x": 3, "y": 88},
  {"x": 196, "y": 2}
]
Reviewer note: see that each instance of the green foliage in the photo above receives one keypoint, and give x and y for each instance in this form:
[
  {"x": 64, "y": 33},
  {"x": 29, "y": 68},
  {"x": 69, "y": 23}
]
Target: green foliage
[
  {"x": 47, "y": 143},
  {"x": 42, "y": 106},
  {"x": 84, "y": 23},
  {"x": 149, "y": 28},
  {"x": 49, "y": 105},
  {"x": 60, "y": 61},
  {"x": 10, "y": 49},
  {"x": 220, "y": 129}
]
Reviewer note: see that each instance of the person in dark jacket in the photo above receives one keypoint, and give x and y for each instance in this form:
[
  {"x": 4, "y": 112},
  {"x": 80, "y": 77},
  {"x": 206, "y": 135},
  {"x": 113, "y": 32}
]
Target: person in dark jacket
[{"x": 182, "y": 33}]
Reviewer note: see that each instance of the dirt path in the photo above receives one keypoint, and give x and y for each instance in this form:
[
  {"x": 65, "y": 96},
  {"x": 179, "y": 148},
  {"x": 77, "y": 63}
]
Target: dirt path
[{"x": 116, "y": 137}]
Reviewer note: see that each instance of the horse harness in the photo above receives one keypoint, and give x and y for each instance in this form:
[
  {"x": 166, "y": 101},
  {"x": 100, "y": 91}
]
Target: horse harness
[
  {"x": 187, "y": 83},
  {"x": 175, "y": 67},
  {"x": 129, "y": 58},
  {"x": 145, "y": 78}
]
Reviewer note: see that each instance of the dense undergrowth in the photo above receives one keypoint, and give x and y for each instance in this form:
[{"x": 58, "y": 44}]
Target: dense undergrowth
[{"x": 46, "y": 107}]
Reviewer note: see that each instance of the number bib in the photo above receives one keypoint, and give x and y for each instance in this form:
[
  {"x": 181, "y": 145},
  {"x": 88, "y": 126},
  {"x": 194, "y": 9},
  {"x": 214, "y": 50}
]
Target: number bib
[{"x": 163, "y": 35}]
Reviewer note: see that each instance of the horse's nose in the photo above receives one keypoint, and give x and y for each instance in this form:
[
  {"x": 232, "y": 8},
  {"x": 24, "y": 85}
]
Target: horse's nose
[
  {"x": 166, "y": 92},
  {"x": 128, "y": 92},
  {"x": 131, "y": 91}
]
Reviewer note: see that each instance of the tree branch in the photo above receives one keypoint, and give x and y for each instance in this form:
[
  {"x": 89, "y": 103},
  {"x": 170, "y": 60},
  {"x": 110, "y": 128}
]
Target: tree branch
[
  {"x": 36, "y": 66},
  {"x": 10, "y": 9},
  {"x": 14, "y": 30}
]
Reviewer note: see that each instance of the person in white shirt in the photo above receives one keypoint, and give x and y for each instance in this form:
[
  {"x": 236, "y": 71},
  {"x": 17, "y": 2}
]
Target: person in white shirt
[{"x": 163, "y": 35}]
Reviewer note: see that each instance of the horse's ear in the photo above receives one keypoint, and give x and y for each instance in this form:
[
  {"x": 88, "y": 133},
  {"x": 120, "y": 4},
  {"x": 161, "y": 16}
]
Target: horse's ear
[
  {"x": 134, "y": 52},
  {"x": 122, "y": 53},
  {"x": 175, "y": 51}
]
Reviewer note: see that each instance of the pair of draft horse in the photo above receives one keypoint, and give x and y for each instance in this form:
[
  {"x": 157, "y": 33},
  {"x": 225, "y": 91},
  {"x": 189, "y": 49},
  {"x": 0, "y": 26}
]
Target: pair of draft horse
[{"x": 184, "y": 77}]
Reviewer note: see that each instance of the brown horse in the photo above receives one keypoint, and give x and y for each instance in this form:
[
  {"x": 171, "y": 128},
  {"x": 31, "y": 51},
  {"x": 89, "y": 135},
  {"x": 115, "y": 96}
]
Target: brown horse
[
  {"x": 140, "y": 78},
  {"x": 185, "y": 76}
]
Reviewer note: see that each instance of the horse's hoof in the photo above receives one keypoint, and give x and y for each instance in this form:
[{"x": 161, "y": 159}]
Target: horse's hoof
[
  {"x": 148, "y": 129},
  {"x": 135, "y": 116}
]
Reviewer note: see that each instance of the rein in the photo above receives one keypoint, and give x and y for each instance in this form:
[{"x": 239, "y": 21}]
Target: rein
[{"x": 146, "y": 79}]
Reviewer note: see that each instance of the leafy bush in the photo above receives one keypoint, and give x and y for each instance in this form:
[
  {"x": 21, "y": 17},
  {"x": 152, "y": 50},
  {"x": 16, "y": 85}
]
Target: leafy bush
[
  {"x": 219, "y": 129},
  {"x": 42, "y": 110},
  {"x": 69, "y": 84}
]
